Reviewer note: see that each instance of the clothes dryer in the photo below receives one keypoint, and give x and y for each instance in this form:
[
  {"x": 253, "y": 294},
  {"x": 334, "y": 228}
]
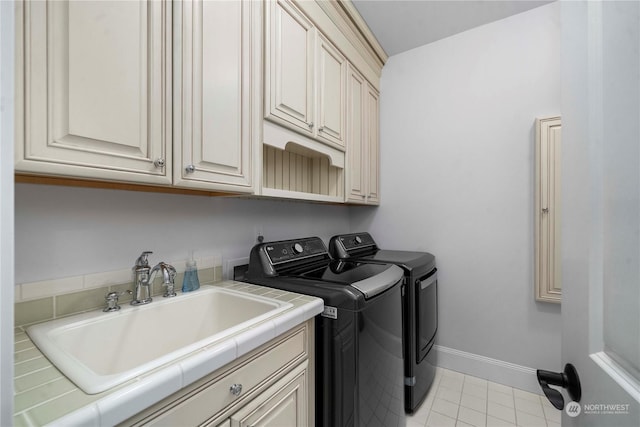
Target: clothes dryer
[{"x": 419, "y": 306}]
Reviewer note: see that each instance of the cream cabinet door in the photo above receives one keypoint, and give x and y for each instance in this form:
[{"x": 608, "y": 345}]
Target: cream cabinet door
[
  {"x": 372, "y": 127},
  {"x": 331, "y": 76},
  {"x": 95, "y": 89},
  {"x": 356, "y": 90},
  {"x": 306, "y": 77},
  {"x": 289, "y": 74},
  {"x": 548, "y": 198},
  {"x": 217, "y": 54},
  {"x": 363, "y": 140},
  {"x": 284, "y": 404}
]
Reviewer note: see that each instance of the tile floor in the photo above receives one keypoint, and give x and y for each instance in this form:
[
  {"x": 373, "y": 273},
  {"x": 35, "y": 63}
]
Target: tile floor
[{"x": 458, "y": 400}]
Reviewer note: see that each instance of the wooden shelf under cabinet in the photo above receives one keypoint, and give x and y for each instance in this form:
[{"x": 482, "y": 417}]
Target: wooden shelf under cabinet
[{"x": 288, "y": 174}]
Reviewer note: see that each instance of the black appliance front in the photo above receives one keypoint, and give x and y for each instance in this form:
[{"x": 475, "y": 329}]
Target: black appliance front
[
  {"x": 426, "y": 313},
  {"x": 419, "y": 307},
  {"x": 359, "y": 361}
]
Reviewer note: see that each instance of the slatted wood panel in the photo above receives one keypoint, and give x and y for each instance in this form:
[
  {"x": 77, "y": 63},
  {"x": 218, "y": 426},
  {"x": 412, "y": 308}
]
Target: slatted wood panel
[{"x": 284, "y": 170}]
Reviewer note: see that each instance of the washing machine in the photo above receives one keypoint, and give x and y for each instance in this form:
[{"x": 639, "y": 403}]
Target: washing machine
[{"x": 358, "y": 347}]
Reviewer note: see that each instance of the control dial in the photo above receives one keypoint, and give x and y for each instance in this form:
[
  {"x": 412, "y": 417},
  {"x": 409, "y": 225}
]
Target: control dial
[
  {"x": 358, "y": 240},
  {"x": 297, "y": 248}
]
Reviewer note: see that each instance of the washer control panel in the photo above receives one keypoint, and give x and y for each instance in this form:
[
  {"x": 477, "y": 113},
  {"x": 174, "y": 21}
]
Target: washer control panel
[{"x": 292, "y": 250}]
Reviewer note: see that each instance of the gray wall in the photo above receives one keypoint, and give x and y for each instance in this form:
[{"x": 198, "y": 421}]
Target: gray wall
[
  {"x": 62, "y": 231},
  {"x": 457, "y": 133}
]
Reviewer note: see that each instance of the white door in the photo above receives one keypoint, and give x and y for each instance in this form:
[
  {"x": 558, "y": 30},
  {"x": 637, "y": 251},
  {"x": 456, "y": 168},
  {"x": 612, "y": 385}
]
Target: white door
[{"x": 601, "y": 210}]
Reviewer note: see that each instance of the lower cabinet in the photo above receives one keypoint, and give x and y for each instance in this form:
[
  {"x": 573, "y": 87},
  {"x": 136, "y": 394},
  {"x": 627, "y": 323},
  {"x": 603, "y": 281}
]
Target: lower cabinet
[{"x": 271, "y": 386}]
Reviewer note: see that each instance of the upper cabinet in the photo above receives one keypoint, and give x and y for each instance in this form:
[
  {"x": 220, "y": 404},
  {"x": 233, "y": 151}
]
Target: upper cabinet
[
  {"x": 235, "y": 96},
  {"x": 305, "y": 78},
  {"x": 128, "y": 92},
  {"x": 356, "y": 137},
  {"x": 321, "y": 102},
  {"x": 548, "y": 185},
  {"x": 289, "y": 96},
  {"x": 96, "y": 81},
  {"x": 363, "y": 140},
  {"x": 331, "y": 90},
  {"x": 216, "y": 61},
  {"x": 372, "y": 159}
]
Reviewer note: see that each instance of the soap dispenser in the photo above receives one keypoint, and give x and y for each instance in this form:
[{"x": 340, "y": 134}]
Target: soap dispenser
[{"x": 190, "y": 282}]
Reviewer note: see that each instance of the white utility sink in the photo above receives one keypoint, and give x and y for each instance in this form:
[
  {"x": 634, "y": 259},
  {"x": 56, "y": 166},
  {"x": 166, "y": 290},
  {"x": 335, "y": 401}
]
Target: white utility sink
[{"x": 98, "y": 351}]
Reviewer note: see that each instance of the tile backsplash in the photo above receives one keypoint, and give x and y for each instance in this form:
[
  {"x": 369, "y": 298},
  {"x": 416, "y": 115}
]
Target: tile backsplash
[{"x": 50, "y": 299}]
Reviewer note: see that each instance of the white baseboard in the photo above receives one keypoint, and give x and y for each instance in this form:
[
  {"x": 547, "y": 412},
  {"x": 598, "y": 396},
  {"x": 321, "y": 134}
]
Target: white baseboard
[{"x": 498, "y": 371}]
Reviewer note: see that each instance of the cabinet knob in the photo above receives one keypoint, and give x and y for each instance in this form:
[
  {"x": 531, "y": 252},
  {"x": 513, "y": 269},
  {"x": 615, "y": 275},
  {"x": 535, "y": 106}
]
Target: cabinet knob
[
  {"x": 190, "y": 168},
  {"x": 311, "y": 125},
  {"x": 159, "y": 163},
  {"x": 236, "y": 389}
]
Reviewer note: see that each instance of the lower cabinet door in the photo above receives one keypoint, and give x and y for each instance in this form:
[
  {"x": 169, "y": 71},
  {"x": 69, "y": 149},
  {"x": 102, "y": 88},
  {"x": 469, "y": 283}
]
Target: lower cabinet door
[{"x": 284, "y": 404}]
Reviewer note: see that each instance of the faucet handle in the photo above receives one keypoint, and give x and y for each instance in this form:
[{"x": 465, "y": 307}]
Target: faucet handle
[
  {"x": 112, "y": 300},
  {"x": 169, "y": 280},
  {"x": 171, "y": 289},
  {"x": 142, "y": 260}
]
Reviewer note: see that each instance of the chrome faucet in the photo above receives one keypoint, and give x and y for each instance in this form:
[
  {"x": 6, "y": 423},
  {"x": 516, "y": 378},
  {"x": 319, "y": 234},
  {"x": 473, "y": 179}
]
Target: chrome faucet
[
  {"x": 143, "y": 278},
  {"x": 142, "y": 286}
]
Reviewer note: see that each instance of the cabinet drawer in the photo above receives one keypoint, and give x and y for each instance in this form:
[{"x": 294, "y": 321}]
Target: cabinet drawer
[
  {"x": 283, "y": 404},
  {"x": 211, "y": 396}
]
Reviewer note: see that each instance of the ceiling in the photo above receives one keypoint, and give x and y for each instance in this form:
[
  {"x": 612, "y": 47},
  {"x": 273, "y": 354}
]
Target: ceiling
[{"x": 400, "y": 25}]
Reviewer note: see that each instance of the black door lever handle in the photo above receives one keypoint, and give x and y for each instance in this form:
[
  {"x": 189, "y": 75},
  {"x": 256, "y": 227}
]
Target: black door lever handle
[{"x": 568, "y": 379}]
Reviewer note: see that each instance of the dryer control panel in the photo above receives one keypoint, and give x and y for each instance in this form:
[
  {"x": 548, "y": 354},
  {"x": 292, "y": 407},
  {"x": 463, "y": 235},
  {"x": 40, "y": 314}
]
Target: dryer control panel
[
  {"x": 357, "y": 240},
  {"x": 347, "y": 245}
]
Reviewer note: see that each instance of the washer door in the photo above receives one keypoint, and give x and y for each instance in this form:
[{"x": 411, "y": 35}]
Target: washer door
[{"x": 426, "y": 313}]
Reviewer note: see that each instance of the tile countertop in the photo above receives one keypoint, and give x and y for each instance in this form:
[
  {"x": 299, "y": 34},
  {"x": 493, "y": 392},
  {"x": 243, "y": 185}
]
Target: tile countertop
[{"x": 44, "y": 396}]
